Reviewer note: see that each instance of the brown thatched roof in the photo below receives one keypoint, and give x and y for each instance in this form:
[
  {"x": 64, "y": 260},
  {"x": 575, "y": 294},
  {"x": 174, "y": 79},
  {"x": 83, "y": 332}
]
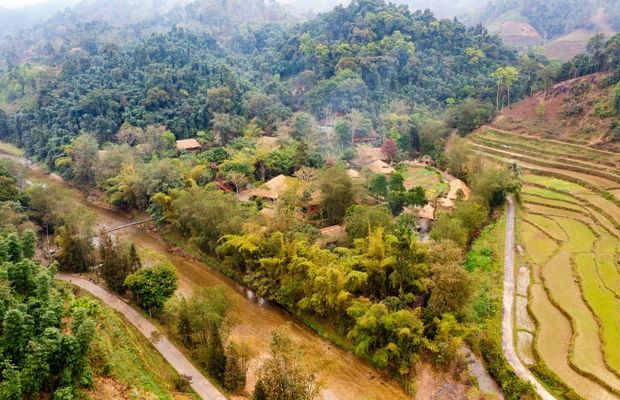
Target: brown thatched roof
[
  {"x": 188, "y": 144},
  {"x": 380, "y": 167},
  {"x": 455, "y": 185},
  {"x": 353, "y": 174},
  {"x": 274, "y": 188},
  {"x": 333, "y": 234},
  {"x": 368, "y": 154},
  {"x": 428, "y": 212}
]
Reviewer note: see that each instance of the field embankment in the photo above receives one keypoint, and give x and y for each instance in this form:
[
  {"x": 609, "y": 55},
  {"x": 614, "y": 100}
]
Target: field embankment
[{"x": 568, "y": 308}]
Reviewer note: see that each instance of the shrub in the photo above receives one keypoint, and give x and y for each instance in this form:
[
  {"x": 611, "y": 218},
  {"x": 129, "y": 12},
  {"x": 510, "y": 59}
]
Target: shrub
[
  {"x": 183, "y": 383},
  {"x": 540, "y": 109},
  {"x": 512, "y": 386}
]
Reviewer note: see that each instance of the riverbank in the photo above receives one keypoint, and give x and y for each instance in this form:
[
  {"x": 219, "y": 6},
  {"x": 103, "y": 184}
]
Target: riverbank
[{"x": 342, "y": 374}]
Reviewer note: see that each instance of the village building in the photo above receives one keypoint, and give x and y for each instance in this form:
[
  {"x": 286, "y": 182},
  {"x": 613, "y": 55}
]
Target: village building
[
  {"x": 273, "y": 189},
  {"x": 380, "y": 167},
  {"x": 353, "y": 174},
  {"x": 458, "y": 190},
  {"x": 370, "y": 138},
  {"x": 366, "y": 155},
  {"x": 188, "y": 145},
  {"x": 333, "y": 234},
  {"x": 427, "y": 161}
]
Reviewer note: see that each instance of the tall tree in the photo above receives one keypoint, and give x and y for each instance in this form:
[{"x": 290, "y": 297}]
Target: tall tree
[{"x": 337, "y": 193}]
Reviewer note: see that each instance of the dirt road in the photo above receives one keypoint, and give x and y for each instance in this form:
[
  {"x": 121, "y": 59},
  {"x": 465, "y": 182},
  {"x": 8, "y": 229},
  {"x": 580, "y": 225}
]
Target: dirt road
[
  {"x": 508, "y": 326},
  {"x": 200, "y": 384}
]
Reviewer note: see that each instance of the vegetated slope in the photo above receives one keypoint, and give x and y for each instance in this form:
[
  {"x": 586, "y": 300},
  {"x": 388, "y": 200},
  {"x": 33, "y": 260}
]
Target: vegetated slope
[
  {"x": 564, "y": 26},
  {"x": 569, "y": 230},
  {"x": 362, "y": 57},
  {"x": 581, "y": 111},
  {"x": 375, "y": 50},
  {"x": 92, "y": 23},
  {"x": 126, "y": 365}
]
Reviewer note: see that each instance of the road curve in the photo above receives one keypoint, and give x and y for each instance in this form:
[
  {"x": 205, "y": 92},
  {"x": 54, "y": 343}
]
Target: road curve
[
  {"x": 182, "y": 365},
  {"x": 508, "y": 342}
]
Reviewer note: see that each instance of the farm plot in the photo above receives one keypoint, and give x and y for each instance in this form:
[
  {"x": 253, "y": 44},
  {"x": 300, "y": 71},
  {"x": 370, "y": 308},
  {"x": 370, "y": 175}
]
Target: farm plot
[
  {"x": 570, "y": 231},
  {"x": 428, "y": 178},
  {"x": 534, "y": 199},
  {"x": 604, "y": 304},
  {"x": 566, "y": 150},
  {"x": 539, "y": 245},
  {"x": 549, "y": 194}
]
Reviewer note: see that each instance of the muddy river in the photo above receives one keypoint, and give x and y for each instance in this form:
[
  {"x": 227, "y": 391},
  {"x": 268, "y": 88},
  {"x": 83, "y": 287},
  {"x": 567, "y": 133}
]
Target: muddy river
[{"x": 342, "y": 375}]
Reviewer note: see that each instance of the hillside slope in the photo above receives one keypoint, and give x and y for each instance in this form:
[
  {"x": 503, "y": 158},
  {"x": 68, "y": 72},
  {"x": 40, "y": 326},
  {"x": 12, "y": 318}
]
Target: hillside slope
[
  {"x": 564, "y": 142},
  {"x": 580, "y": 111},
  {"x": 563, "y": 27}
]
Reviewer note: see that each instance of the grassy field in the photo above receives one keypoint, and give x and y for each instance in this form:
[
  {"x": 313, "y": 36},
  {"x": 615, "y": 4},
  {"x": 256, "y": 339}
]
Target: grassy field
[
  {"x": 569, "y": 228},
  {"x": 8, "y": 148}
]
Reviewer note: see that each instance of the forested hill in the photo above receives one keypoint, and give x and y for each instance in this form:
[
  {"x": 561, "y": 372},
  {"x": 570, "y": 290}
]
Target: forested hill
[
  {"x": 365, "y": 58},
  {"x": 370, "y": 52},
  {"x": 93, "y": 23}
]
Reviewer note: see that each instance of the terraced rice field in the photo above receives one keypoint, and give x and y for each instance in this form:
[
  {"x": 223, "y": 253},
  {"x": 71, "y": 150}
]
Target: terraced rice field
[{"x": 569, "y": 228}]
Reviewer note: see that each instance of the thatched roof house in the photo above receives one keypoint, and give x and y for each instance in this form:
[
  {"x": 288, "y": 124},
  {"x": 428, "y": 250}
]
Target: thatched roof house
[
  {"x": 427, "y": 212},
  {"x": 367, "y": 154},
  {"x": 380, "y": 167},
  {"x": 273, "y": 189},
  {"x": 370, "y": 138},
  {"x": 333, "y": 234},
  {"x": 353, "y": 174},
  {"x": 457, "y": 187},
  {"x": 188, "y": 145}
]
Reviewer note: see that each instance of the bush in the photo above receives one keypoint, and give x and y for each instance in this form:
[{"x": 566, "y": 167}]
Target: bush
[
  {"x": 540, "y": 109},
  {"x": 513, "y": 387},
  {"x": 571, "y": 110},
  {"x": 616, "y": 99},
  {"x": 151, "y": 287},
  {"x": 183, "y": 383},
  {"x": 234, "y": 374}
]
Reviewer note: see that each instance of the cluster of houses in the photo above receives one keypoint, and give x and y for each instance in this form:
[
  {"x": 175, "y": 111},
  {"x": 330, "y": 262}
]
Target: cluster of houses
[{"x": 369, "y": 160}]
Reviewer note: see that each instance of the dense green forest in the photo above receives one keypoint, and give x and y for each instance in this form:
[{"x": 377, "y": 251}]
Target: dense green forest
[
  {"x": 44, "y": 338},
  {"x": 369, "y": 57}
]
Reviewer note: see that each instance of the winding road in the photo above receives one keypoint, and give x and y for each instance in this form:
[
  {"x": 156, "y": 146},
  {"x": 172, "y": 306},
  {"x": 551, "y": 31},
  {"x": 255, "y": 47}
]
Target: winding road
[
  {"x": 508, "y": 334},
  {"x": 179, "y": 362}
]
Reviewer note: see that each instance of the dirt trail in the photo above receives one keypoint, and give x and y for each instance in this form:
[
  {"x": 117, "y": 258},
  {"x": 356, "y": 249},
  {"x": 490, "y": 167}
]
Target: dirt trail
[
  {"x": 508, "y": 321},
  {"x": 182, "y": 365}
]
